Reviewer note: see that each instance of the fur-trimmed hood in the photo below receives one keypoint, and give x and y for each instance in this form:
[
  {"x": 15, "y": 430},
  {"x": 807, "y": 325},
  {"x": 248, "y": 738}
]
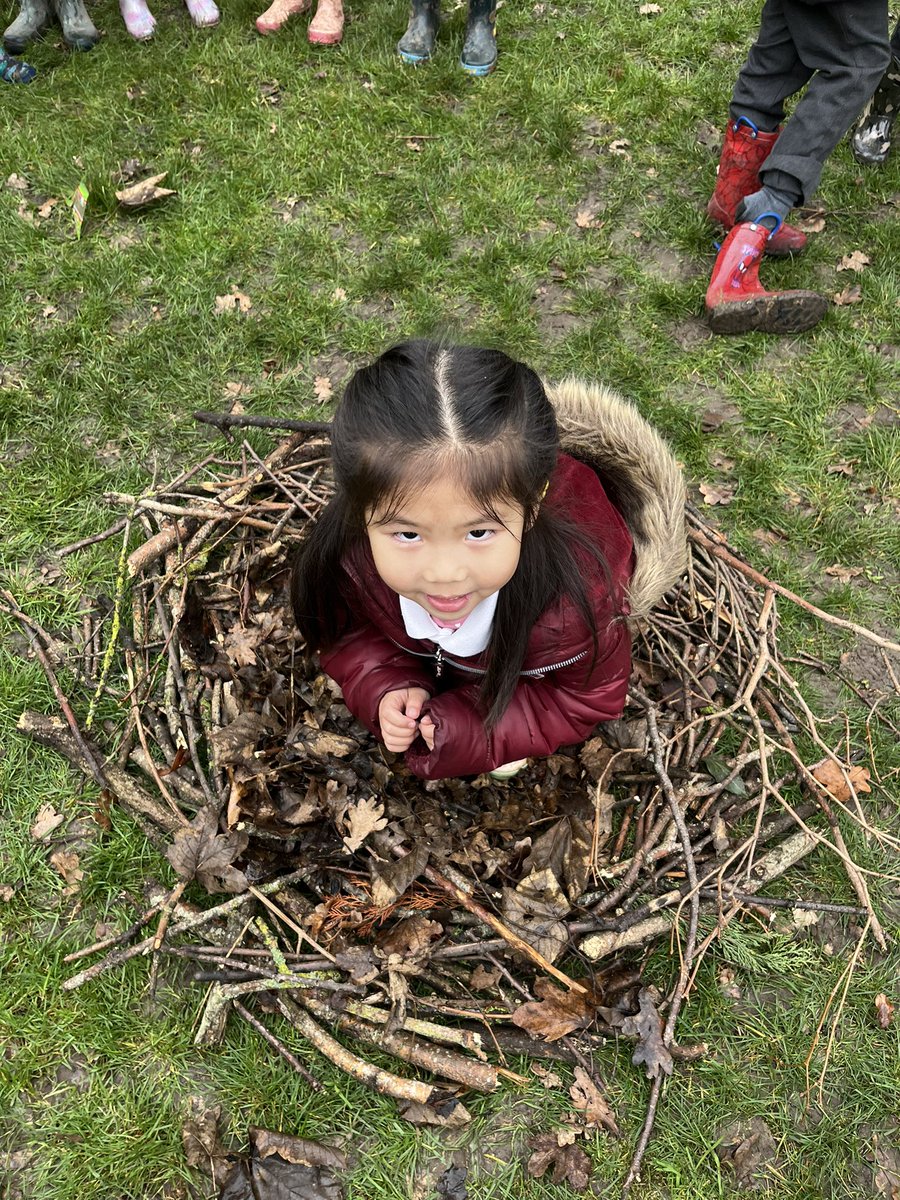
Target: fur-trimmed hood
[{"x": 639, "y": 474}]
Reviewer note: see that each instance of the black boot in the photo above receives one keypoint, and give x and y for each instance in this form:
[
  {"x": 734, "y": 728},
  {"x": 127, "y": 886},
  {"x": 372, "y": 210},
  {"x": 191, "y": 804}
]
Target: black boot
[
  {"x": 78, "y": 29},
  {"x": 871, "y": 143},
  {"x": 33, "y": 19},
  {"x": 479, "y": 56},
  {"x": 417, "y": 43}
]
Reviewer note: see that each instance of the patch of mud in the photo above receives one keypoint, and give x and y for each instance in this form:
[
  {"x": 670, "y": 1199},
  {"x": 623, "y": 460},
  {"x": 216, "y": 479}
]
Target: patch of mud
[
  {"x": 879, "y": 1174},
  {"x": 748, "y": 1149},
  {"x": 665, "y": 263},
  {"x": 711, "y": 403},
  {"x": 785, "y": 350},
  {"x": 868, "y": 666},
  {"x": 333, "y": 365},
  {"x": 854, "y": 417},
  {"x": 554, "y": 318},
  {"x": 690, "y": 333}
]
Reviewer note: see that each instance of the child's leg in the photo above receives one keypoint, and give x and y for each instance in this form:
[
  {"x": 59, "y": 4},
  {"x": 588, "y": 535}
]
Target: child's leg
[
  {"x": 78, "y": 29},
  {"x": 417, "y": 44},
  {"x": 139, "y": 20},
  {"x": 327, "y": 26},
  {"x": 278, "y": 12},
  {"x": 845, "y": 43},
  {"x": 33, "y": 18},
  {"x": 773, "y": 71},
  {"x": 203, "y": 12},
  {"x": 12, "y": 70}
]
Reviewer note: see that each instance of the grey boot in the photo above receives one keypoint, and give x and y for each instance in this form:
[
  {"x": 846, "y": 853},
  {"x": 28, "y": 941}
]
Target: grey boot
[
  {"x": 33, "y": 19},
  {"x": 479, "y": 54},
  {"x": 871, "y": 143},
  {"x": 417, "y": 43},
  {"x": 78, "y": 29}
]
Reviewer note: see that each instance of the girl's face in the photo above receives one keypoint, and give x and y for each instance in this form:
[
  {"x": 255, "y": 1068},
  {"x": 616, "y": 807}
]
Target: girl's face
[{"x": 442, "y": 552}]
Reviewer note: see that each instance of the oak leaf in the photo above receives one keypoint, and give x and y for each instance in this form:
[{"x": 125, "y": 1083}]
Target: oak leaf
[
  {"x": 363, "y": 817},
  {"x": 855, "y": 261},
  {"x": 67, "y": 863},
  {"x": 47, "y": 820},
  {"x": 647, "y": 1024},
  {"x": 587, "y": 1098},
  {"x": 839, "y": 779},
  {"x": 234, "y": 301},
  {"x": 852, "y": 294},
  {"x": 884, "y": 1010},
  {"x": 322, "y": 388},
  {"x": 570, "y": 1163},
  {"x": 721, "y": 493}
]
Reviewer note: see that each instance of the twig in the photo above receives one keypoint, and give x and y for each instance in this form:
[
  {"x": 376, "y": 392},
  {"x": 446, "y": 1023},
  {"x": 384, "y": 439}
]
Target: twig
[
  {"x": 92, "y": 541},
  {"x": 225, "y": 421}
]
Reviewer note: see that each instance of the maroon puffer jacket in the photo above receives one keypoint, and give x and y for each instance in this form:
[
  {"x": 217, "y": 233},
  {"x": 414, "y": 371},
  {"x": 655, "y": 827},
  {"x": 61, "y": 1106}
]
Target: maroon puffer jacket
[{"x": 556, "y": 702}]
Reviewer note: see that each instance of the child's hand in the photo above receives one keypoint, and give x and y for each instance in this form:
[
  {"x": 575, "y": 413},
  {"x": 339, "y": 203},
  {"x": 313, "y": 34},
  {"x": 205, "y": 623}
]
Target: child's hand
[
  {"x": 398, "y": 715},
  {"x": 426, "y": 729}
]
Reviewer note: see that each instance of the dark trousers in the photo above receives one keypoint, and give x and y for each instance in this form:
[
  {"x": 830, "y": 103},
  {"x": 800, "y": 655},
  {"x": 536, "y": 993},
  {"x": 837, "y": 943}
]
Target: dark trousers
[{"x": 839, "y": 48}]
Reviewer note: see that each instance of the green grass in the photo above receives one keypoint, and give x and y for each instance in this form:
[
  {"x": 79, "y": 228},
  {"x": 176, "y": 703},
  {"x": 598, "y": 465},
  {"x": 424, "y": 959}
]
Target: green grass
[{"x": 357, "y": 202}]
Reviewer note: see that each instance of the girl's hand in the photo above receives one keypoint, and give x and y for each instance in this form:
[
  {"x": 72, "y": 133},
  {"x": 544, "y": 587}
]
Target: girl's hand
[
  {"x": 398, "y": 715},
  {"x": 426, "y": 729}
]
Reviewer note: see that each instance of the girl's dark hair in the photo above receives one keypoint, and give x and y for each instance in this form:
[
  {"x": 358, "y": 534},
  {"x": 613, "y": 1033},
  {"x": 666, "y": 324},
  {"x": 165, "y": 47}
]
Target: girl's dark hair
[{"x": 423, "y": 411}]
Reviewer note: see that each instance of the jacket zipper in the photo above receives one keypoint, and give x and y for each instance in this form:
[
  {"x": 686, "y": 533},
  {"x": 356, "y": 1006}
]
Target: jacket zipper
[{"x": 439, "y": 661}]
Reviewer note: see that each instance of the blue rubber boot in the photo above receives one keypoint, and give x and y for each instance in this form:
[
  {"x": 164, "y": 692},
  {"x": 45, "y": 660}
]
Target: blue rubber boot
[
  {"x": 417, "y": 44},
  {"x": 479, "y": 56},
  {"x": 13, "y": 70},
  {"x": 33, "y": 19}
]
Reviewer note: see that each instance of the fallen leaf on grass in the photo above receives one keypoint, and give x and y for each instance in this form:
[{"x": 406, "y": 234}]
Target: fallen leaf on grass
[
  {"x": 586, "y": 218},
  {"x": 66, "y": 862},
  {"x": 235, "y": 301},
  {"x": 548, "y": 1077},
  {"x": 809, "y": 220},
  {"x": 570, "y": 1163},
  {"x": 648, "y": 1026},
  {"x": 203, "y": 1148},
  {"x": 555, "y": 1013},
  {"x": 884, "y": 1010},
  {"x": 843, "y": 574},
  {"x": 390, "y": 880},
  {"x": 47, "y": 820},
  {"x": 587, "y": 1098},
  {"x": 17, "y": 183},
  {"x": 842, "y": 468},
  {"x": 363, "y": 817},
  {"x": 322, "y": 388},
  {"x": 201, "y": 852},
  {"x": 855, "y": 261},
  {"x": 648, "y": 10},
  {"x": 145, "y": 191},
  {"x": 852, "y": 294},
  {"x": 620, "y": 147},
  {"x": 838, "y": 779},
  {"x": 448, "y": 1112},
  {"x": 6, "y": 892},
  {"x": 721, "y": 493},
  {"x": 412, "y": 144},
  {"x": 269, "y": 1175}
]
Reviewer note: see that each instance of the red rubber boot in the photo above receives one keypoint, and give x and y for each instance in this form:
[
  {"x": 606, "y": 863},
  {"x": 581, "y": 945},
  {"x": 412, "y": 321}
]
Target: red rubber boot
[
  {"x": 744, "y": 151},
  {"x": 736, "y": 302}
]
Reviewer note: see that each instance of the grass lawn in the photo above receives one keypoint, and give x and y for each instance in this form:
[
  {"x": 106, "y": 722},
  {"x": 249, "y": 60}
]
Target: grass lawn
[{"x": 344, "y": 201}]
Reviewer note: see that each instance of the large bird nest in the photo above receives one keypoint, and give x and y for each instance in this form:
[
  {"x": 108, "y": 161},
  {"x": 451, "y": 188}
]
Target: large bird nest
[{"x": 450, "y": 923}]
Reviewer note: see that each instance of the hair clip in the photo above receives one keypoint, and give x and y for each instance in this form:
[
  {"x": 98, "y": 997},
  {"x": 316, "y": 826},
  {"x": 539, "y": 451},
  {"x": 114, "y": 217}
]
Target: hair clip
[{"x": 546, "y": 486}]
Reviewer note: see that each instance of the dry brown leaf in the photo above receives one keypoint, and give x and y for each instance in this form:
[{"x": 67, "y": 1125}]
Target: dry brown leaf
[
  {"x": 648, "y": 10},
  {"x": 570, "y": 1163},
  {"x": 241, "y": 644},
  {"x": 45, "y": 210},
  {"x": 837, "y": 778},
  {"x": 66, "y": 862},
  {"x": 648, "y": 1026},
  {"x": 809, "y": 220},
  {"x": 235, "y": 301},
  {"x": 884, "y": 1010},
  {"x": 201, "y": 852},
  {"x": 548, "y": 1077},
  {"x": 339, "y": 294},
  {"x": 145, "y": 191},
  {"x": 47, "y": 820},
  {"x": 412, "y": 144},
  {"x": 6, "y": 892},
  {"x": 483, "y": 978},
  {"x": 620, "y": 146},
  {"x": 322, "y": 388},
  {"x": 363, "y": 817},
  {"x": 718, "y": 493},
  {"x": 842, "y": 468},
  {"x": 855, "y": 261},
  {"x": 586, "y": 218},
  {"x": 555, "y": 1013},
  {"x": 588, "y": 1099},
  {"x": 852, "y": 294},
  {"x": 17, "y": 183},
  {"x": 843, "y": 574},
  {"x": 449, "y": 1113}
]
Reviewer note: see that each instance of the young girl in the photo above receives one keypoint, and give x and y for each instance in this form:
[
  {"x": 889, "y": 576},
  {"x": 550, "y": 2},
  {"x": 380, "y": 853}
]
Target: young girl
[{"x": 467, "y": 586}]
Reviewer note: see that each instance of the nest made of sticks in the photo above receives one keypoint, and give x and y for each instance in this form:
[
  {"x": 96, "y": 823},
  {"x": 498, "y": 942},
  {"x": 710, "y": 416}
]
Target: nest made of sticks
[{"x": 435, "y": 920}]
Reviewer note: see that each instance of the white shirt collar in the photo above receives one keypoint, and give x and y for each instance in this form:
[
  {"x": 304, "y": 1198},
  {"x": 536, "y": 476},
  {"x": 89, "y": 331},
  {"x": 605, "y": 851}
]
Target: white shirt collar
[{"x": 472, "y": 636}]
